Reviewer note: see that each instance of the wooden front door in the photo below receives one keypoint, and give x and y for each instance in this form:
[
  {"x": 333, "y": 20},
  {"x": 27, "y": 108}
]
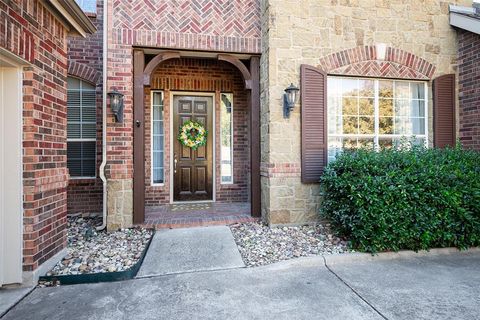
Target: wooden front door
[{"x": 193, "y": 172}]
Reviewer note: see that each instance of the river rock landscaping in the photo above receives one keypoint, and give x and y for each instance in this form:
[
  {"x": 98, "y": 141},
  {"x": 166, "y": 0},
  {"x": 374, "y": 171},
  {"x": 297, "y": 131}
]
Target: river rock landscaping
[
  {"x": 92, "y": 251},
  {"x": 260, "y": 245}
]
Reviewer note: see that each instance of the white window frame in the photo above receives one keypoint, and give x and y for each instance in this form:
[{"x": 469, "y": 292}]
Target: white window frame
[
  {"x": 231, "y": 140},
  {"x": 152, "y": 92},
  {"x": 80, "y": 123},
  {"x": 377, "y": 134}
]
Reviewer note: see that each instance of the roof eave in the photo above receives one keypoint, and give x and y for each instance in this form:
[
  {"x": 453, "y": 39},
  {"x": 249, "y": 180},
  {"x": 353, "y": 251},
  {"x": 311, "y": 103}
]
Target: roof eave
[
  {"x": 465, "y": 22},
  {"x": 74, "y": 16}
]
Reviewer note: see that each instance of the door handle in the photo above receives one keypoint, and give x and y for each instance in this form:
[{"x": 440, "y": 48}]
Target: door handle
[{"x": 174, "y": 163}]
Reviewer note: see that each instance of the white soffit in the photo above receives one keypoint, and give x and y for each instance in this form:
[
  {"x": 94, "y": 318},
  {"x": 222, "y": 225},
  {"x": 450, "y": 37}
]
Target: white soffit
[{"x": 464, "y": 18}]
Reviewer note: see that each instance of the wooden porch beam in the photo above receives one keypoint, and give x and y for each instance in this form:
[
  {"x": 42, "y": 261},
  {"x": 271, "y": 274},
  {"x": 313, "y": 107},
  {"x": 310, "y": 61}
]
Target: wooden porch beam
[
  {"x": 155, "y": 62},
  {"x": 138, "y": 137},
  {"x": 247, "y": 77},
  {"x": 255, "y": 147}
]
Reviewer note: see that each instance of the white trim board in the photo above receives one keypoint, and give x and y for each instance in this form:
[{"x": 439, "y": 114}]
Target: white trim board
[
  {"x": 465, "y": 22},
  {"x": 11, "y": 172}
]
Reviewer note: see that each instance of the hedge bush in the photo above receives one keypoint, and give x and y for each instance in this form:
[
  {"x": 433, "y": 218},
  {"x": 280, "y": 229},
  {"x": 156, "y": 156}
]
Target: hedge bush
[{"x": 405, "y": 198}]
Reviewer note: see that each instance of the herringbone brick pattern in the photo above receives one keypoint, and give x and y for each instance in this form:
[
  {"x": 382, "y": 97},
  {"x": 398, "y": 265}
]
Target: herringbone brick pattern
[
  {"x": 223, "y": 25},
  {"x": 234, "y": 18}
]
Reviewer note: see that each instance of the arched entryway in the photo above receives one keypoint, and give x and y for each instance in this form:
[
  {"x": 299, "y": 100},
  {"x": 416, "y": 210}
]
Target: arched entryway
[{"x": 194, "y": 83}]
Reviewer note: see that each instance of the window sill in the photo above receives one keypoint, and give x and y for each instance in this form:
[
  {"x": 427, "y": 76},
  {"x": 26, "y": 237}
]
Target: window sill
[
  {"x": 82, "y": 179},
  {"x": 157, "y": 185}
]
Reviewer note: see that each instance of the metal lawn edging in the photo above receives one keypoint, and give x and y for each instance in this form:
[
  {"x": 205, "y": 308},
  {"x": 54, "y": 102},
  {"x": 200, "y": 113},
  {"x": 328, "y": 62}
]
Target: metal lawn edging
[{"x": 102, "y": 276}]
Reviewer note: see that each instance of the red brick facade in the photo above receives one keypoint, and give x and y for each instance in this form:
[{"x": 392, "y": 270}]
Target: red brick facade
[
  {"x": 36, "y": 35},
  {"x": 85, "y": 62},
  {"x": 218, "y": 26},
  {"x": 231, "y": 26},
  {"x": 198, "y": 75},
  {"x": 469, "y": 89}
]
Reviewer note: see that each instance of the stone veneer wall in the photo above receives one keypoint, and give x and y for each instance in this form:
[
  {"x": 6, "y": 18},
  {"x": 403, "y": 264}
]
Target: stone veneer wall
[
  {"x": 31, "y": 32},
  {"x": 305, "y": 31},
  {"x": 85, "y": 61},
  {"x": 469, "y": 89},
  {"x": 202, "y": 75},
  {"x": 204, "y": 25}
]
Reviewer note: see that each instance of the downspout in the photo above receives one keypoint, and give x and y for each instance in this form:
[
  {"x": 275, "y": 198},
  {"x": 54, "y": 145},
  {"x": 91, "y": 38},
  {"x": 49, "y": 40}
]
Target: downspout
[{"x": 104, "y": 117}]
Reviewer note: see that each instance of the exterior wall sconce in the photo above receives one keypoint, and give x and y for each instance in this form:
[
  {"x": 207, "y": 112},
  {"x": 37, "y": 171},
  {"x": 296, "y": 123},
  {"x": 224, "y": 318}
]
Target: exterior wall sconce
[
  {"x": 116, "y": 103},
  {"x": 290, "y": 98}
]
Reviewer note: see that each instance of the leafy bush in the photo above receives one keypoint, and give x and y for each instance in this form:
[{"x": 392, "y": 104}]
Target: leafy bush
[{"x": 409, "y": 198}]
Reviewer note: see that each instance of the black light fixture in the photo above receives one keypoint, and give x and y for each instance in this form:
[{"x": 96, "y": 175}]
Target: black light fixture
[
  {"x": 290, "y": 97},
  {"x": 116, "y": 103}
]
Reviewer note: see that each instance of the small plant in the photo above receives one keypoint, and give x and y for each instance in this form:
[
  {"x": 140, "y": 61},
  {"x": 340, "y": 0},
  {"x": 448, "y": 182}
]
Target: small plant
[{"x": 404, "y": 198}]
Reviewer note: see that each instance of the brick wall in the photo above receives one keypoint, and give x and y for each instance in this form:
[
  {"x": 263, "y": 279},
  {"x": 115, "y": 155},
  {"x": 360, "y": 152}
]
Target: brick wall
[
  {"x": 221, "y": 26},
  {"x": 469, "y": 89},
  {"x": 232, "y": 26},
  {"x": 36, "y": 35},
  {"x": 203, "y": 76},
  {"x": 85, "y": 62}
]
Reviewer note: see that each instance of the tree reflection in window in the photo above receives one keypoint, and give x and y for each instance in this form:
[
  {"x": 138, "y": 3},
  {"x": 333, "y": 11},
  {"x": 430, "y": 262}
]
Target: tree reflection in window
[
  {"x": 226, "y": 137},
  {"x": 374, "y": 113}
]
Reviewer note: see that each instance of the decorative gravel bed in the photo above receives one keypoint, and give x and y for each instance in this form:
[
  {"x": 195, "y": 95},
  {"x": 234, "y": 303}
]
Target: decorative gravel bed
[
  {"x": 92, "y": 251},
  {"x": 260, "y": 245}
]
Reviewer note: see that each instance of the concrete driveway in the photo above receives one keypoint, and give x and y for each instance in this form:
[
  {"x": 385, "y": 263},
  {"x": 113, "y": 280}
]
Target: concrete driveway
[{"x": 445, "y": 286}]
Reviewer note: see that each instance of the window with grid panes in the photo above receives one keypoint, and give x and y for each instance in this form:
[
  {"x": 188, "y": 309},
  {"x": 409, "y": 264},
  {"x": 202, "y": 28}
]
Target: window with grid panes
[
  {"x": 157, "y": 138},
  {"x": 81, "y": 128},
  {"x": 375, "y": 113}
]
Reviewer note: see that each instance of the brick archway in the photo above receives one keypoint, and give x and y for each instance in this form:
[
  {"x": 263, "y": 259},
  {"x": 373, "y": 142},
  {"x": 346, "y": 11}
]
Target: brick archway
[
  {"x": 84, "y": 72},
  {"x": 374, "y": 61}
]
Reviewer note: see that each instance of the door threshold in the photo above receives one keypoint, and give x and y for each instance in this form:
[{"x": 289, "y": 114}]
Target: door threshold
[{"x": 192, "y": 202}]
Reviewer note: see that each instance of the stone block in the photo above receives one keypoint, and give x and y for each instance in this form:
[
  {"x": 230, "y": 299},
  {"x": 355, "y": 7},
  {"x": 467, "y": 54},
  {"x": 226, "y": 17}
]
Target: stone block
[
  {"x": 119, "y": 204},
  {"x": 279, "y": 217}
]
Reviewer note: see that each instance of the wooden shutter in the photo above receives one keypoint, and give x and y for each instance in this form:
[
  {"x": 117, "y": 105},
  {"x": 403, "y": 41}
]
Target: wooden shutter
[
  {"x": 314, "y": 122},
  {"x": 444, "y": 125}
]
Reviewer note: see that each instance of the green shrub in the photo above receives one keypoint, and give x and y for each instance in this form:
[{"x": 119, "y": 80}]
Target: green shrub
[{"x": 410, "y": 198}]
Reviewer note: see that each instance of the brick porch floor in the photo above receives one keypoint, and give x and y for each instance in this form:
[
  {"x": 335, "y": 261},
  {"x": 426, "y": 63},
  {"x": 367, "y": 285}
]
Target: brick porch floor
[{"x": 197, "y": 214}]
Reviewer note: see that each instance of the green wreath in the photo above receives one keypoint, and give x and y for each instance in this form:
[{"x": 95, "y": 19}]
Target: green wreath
[{"x": 192, "y": 134}]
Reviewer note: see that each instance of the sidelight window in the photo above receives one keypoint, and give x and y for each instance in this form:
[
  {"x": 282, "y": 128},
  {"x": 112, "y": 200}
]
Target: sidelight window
[
  {"x": 158, "y": 152},
  {"x": 226, "y": 137}
]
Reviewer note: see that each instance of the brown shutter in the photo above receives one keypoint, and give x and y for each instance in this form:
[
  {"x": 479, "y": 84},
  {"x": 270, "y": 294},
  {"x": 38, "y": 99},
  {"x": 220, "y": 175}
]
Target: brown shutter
[
  {"x": 314, "y": 122},
  {"x": 444, "y": 126}
]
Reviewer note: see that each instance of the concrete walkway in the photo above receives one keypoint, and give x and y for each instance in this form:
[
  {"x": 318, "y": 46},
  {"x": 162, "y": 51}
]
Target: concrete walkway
[
  {"x": 9, "y": 297},
  {"x": 191, "y": 250},
  {"x": 414, "y": 287}
]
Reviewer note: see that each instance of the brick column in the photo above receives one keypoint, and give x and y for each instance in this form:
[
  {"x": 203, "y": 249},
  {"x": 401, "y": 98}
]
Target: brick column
[{"x": 119, "y": 169}]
